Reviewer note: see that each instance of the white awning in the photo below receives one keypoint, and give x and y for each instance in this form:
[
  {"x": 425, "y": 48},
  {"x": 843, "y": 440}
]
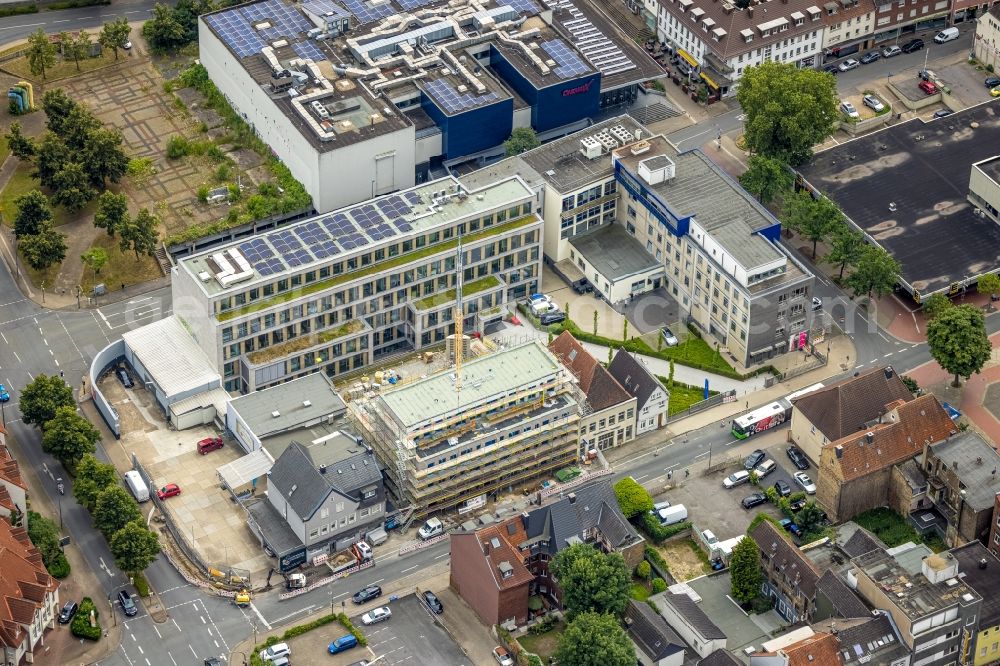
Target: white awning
[{"x": 244, "y": 470}]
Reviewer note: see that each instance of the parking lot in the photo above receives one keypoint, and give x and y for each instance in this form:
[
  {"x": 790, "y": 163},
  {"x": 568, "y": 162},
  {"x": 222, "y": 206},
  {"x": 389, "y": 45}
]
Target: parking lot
[{"x": 412, "y": 636}]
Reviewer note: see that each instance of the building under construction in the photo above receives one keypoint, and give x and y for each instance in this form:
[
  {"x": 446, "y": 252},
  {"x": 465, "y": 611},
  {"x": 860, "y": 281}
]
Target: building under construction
[{"x": 450, "y": 440}]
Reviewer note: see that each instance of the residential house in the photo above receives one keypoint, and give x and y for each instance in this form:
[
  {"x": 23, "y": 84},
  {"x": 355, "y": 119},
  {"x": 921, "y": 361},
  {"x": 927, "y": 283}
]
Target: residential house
[
  {"x": 933, "y": 608},
  {"x": 691, "y": 623},
  {"x": 652, "y": 398},
  {"x": 994, "y": 543},
  {"x": 860, "y": 542},
  {"x": 655, "y": 642},
  {"x": 986, "y": 45},
  {"x": 29, "y": 596},
  {"x": 849, "y": 25},
  {"x": 720, "y": 658},
  {"x": 800, "y": 647},
  {"x": 855, "y": 470},
  {"x": 609, "y": 417},
  {"x": 963, "y": 485},
  {"x": 790, "y": 578},
  {"x": 13, "y": 489},
  {"x": 872, "y": 640},
  {"x": 838, "y": 410},
  {"x": 496, "y": 568},
  {"x": 835, "y": 599},
  {"x": 980, "y": 570},
  {"x": 321, "y": 497}
]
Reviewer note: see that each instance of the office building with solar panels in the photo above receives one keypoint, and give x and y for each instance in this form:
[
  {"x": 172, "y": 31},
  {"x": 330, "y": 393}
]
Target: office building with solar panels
[
  {"x": 341, "y": 290},
  {"x": 363, "y": 98}
]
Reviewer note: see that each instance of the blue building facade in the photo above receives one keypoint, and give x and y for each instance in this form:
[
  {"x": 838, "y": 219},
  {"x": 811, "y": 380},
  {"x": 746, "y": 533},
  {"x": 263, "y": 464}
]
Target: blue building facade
[{"x": 474, "y": 130}]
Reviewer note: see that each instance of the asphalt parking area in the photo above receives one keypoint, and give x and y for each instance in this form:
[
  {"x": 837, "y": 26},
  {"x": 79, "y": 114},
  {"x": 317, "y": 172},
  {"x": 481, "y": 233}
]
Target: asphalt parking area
[
  {"x": 965, "y": 82},
  {"x": 412, "y": 636}
]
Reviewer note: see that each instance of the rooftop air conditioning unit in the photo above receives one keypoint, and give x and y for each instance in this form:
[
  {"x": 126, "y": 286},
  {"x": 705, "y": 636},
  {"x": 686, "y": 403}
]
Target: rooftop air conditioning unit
[{"x": 590, "y": 147}]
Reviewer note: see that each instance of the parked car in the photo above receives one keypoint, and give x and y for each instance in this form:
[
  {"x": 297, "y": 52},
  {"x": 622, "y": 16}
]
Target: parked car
[
  {"x": 849, "y": 64},
  {"x": 797, "y": 457},
  {"x": 817, "y": 303},
  {"x": 127, "y": 45},
  {"x": 669, "y": 339},
  {"x": 995, "y": 92},
  {"x": 343, "y": 644},
  {"x": 4, "y": 396},
  {"x": 124, "y": 378},
  {"x": 929, "y": 88},
  {"x": 750, "y": 501},
  {"x": 128, "y": 606},
  {"x": 848, "y": 110},
  {"x": 790, "y": 526},
  {"x": 807, "y": 485},
  {"x": 209, "y": 444},
  {"x": 275, "y": 651},
  {"x": 926, "y": 75},
  {"x": 376, "y": 615},
  {"x": 946, "y": 35},
  {"x": 797, "y": 505},
  {"x": 942, "y": 113},
  {"x": 831, "y": 69},
  {"x": 735, "y": 479},
  {"x": 913, "y": 45},
  {"x": 433, "y": 602},
  {"x": 782, "y": 488},
  {"x": 873, "y": 103},
  {"x": 890, "y": 51},
  {"x": 68, "y": 611},
  {"x": 552, "y": 317},
  {"x": 754, "y": 459},
  {"x": 169, "y": 490},
  {"x": 765, "y": 468},
  {"x": 502, "y": 656},
  {"x": 367, "y": 594},
  {"x": 870, "y": 57},
  {"x": 213, "y": 661},
  {"x": 992, "y": 81}
]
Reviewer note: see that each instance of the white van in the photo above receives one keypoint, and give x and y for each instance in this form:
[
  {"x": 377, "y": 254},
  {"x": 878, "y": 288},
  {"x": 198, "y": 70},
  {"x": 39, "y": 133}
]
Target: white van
[
  {"x": 946, "y": 35},
  {"x": 432, "y": 528},
  {"x": 138, "y": 487},
  {"x": 672, "y": 514}
]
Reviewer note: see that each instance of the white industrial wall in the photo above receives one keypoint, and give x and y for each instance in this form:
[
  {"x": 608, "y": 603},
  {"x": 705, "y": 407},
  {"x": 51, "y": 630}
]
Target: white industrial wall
[
  {"x": 194, "y": 310},
  {"x": 346, "y": 175}
]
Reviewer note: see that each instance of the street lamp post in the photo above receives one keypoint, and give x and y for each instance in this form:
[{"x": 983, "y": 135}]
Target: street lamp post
[{"x": 111, "y": 606}]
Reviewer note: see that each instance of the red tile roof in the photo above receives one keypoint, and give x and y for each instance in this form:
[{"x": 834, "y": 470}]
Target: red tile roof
[
  {"x": 24, "y": 583},
  {"x": 602, "y": 389},
  {"x": 845, "y": 407},
  {"x": 500, "y": 554},
  {"x": 9, "y": 469},
  {"x": 818, "y": 650}
]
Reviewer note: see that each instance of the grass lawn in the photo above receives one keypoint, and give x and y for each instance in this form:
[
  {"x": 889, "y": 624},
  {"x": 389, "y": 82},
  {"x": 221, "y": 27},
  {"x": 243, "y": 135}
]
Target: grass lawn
[
  {"x": 683, "y": 396},
  {"x": 639, "y": 592},
  {"x": 22, "y": 182},
  {"x": 893, "y": 529},
  {"x": 4, "y": 149},
  {"x": 122, "y": 267},
  {"x": 544, "y": 645},
  {"x": 62, "y": 69}
]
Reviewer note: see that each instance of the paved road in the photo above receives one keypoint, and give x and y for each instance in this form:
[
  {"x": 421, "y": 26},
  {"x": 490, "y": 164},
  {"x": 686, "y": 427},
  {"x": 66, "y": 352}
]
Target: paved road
[{"x": 13, "y": 28}]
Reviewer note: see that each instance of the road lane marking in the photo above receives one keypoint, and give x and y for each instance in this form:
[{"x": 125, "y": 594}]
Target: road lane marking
[
  {"x": 281, "y": 619},
  {"x": 203, "y": 619},
  {"x": 158, "y": 634},
  {"x": 438, "y": 557},
  {"x": 133, "y": 637},
  {"x": 24, "y": 25},
  {"x": 129, "y": 659},
  {"x": 171, "y": 657},
  {"x": 257, "y": 613},
  {"x": 141, "y": 651},
  {"x": 192, "y": 651},
  {"x": 405, "y": 570},
  {"x": 176, "y": 625}
]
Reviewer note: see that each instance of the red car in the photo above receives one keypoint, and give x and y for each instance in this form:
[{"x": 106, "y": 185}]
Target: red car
[
  {"x": 209, "y": 444},
  {"x": 169, "y": 490},
  {"x": 928, "y": 87}
]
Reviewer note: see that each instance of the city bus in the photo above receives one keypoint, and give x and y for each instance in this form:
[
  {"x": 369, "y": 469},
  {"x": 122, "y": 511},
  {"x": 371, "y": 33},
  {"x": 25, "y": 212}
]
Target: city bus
[{"x": 770, "y": 415}]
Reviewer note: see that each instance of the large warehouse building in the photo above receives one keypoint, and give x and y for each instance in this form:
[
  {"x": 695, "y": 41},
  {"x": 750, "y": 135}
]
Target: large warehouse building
[{"x": 361, "y": 99}]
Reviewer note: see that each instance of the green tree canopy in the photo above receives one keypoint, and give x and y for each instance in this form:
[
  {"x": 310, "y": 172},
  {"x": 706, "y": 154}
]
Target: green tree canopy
[
  {"x": 51, "y": 155},
  {"x": 632, "y": 497},
  {"x": 591, "y": 580},
  {"x": 173, "y": 27},
  {"x": 522, "y": 139},
  {"x": 21, "y": 146},
  {"x": 935, "y": 304},
  {"x": 68, "y": 436},
  {"x": 33, "y": 213},
  {"x": 809, "y": 517},
  {"x": 43, "y": 249},
  {"x": 989, "y": 284},
  {"x": 140, "y": 234},
  {"x": 114, "y": 35},
  {"x": 57, "y": 106},
  {"x": 44, "y": 534},
  {"x": 766, "y": 178},
  {"x": 113, "y": 510},
  {"x": 815, "y": 219},
  {"x": 41, "y": 53},
  {"x": 71, "y": 187},
  {"x": 42, "y": 397},
  {"x": 94, "y": 259},
  {"x": 112, "y": 212},
  {"x": 846, "y": 248},
  {"x": 104, "y": 156},
  {"x": 958, "y": 342},
  {"x": 134, "y": 547},
  {"x": 876, "y": 272},
  {"x": 595, "y": 639},
  {"x": 92, "y": 476},
  {"x": 788, "y": 110},
  {"x": 744, "y": 571}
]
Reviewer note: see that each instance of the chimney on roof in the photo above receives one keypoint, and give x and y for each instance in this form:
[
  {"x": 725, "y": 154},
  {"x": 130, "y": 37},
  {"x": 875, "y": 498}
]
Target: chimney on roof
[
  {"x": 979, "y": 460},
  {"x": 870, "y": 437},
  {"x": 983, "y": 563},
  {"x": 322, "y": 469},
  {"x": 572, "y": 498},
  {"x": 750, "y": 12},
  {"x": 486, "y": 548},
  {"x": 954, "y": 464},
  {"x": 839, "y": 451}
]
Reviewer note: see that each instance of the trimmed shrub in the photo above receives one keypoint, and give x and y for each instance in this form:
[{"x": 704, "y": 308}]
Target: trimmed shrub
[
  {"x": 141, "y": 585},
  {"x": 346, "y": 623},
  {"x": 659, "y": 585},
  {"x": 177, "y": 147},
  {"x": 643, "y": 570},
  {"x": 80, "y": 626},
  {"x": 657, "y": 532}
]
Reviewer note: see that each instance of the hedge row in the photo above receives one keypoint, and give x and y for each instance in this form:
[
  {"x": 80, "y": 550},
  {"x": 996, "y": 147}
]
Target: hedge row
[
  {"x": 659, "y": 533},
  {"x": 80, "y": 626}
]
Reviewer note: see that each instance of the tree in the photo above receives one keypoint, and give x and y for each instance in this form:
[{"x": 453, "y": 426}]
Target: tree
[
  {"x": 42, "y": 397},
  {"x": 766, "y": 178},
  {"x": 624, "y": 330},
  {"x": 71, "y": 187},
  {"x": 74, "y": 49},
  {"x": 595, "y": 321},
  {"x": 935, "y": 304},
  {"x": 57, "y": 106},
  {"x": 595, "y": 639},
  {"x": 788, "y": 110},
  {"x": 104, "y": 156},
  {"x": 814, "y": 218},
  {"x": 165, "y": 32},
  {"x": 112, "y": 212},
  {"x": 670, "y": 376},
  {"x": 989, "y": 284},
  {"x": 92, "y": 476},
  {"x": 744, "y": 571},
  {"x": 643, "y": 570},
  {"x": 591, "y": 580},
  {"x": 140, "y": 234},
  {"x": 846, "y": 248},
  {"x": 45, "y": 536},
  {"x": 114, "y": 35},
  {"x": 876, "y": 272},
  {"x": 134, "y": 547},
  {"x": 911, "y": 384},
  {"x": 632, "y": 498},
  {"x": 81, "y": 46},
  {"x": 809, "y": 517},
  {"x": 22, "y": 147},
  {"x": 94, "y": 259},
  {"x": 33, "y": 213},
  {"x": 45, "y": 248},
  {"x": 522, "y": 139},
  {"x": 50, "y": 157},
  {"x": 41, "y": 53},
  {"x": 68, "y": 436},
  {"x": 958, "y": 342},
  {"x": 113, "y": 510}
]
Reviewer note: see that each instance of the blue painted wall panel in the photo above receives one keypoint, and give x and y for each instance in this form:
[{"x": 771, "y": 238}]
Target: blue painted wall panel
[{"x": 474, "y": 130}]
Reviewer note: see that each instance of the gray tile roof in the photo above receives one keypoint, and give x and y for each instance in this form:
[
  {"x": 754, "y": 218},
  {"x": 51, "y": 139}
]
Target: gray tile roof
[
  {"x": 861, "y": 542},
  {"x": 720, "y": 658},
  {"x": 634, "y": 376},
  {"x": 874, "y": 642},
  {"x": 787, "y": 558},
  {"x": 306, "y": 475},
  {"x": 976, "y": 463},
  {"x": 650, "y": 632},
  {"x": 688, "y": 609},
  {"x": 593, "y": 506},
  {"x": 845, "y": 602}
]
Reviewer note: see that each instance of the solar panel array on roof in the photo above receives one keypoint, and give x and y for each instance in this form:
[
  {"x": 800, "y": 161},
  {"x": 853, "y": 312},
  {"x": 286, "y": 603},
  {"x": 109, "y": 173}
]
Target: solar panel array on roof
[
  {"x": 410, "y": 5},
  {"x": 569, "y": 63},
  {"x": 523, "y": 6},
  {"x": 365, "y": 12},
  {"x": 308, "y": 50},
  {"x": 325, "y": 8},
  {"x": 316, "y": 239},
  {"x": 289, "y": 247},
  {"x": 261, "y": 257},
  {"x": 595, "y": 46},
  {"x": 237, "y": 27},
  {"x": 452, "y": 101}
]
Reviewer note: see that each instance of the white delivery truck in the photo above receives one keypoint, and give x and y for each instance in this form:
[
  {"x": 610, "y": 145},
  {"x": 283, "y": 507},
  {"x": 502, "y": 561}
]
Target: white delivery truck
[
  {"x": 673, "y": 514},
  {"x": 432, "y": 528},
  {"x": 137, "y": 486}
]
